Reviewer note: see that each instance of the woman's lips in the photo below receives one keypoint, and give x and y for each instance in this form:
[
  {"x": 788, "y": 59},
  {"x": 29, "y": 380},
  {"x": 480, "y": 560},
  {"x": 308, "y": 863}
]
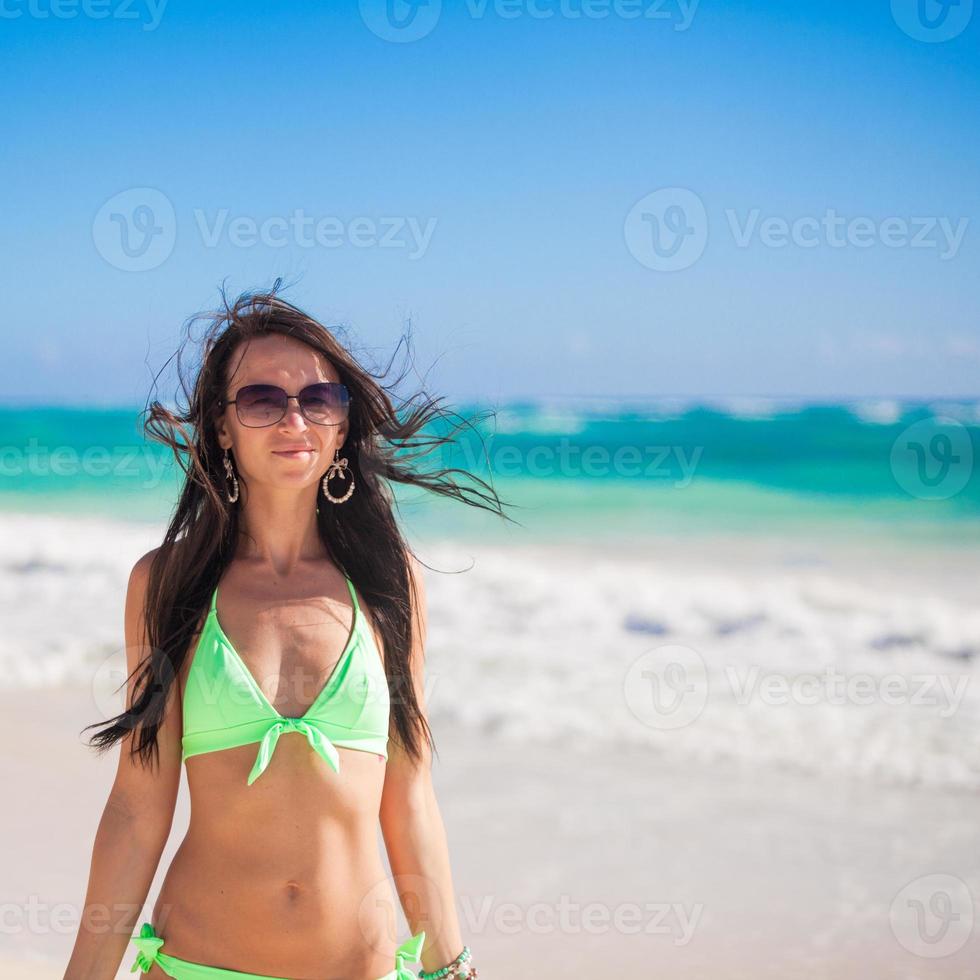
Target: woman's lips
[{"x": 293, "y": 453}]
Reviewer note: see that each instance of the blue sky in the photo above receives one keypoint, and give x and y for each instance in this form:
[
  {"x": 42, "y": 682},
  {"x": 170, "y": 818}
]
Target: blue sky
[{"x": 487, "y": 181}]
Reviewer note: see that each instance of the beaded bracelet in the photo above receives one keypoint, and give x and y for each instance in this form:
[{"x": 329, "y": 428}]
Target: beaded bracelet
[{"x": 457, "y": 968}]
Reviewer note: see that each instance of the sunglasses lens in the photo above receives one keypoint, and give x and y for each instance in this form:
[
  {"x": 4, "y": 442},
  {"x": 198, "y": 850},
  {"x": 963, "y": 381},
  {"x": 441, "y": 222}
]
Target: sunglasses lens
[
  {"x": 260, "y": 405},
  {"x": 325, "y": 404}
]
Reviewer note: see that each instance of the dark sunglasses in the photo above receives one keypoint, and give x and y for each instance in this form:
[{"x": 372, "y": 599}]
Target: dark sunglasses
[{"x": 325, "y": 403}]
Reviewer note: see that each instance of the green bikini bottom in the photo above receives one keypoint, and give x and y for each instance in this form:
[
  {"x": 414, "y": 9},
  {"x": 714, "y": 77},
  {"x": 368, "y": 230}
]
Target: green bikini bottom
[{"x": 148, "y": 944}]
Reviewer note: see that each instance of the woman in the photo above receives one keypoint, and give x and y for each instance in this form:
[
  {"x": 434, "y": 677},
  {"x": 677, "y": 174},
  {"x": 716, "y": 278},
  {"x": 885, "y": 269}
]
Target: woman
[{"x": 275, "y": 648}]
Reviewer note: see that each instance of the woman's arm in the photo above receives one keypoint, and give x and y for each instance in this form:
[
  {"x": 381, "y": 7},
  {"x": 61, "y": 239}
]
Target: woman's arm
[
  {"x": 135, "y": 823},
  {"x": 413, "y": 831}
]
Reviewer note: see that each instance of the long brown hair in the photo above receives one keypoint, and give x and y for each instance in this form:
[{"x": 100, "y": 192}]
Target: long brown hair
[{"x": 362, "y": 535}]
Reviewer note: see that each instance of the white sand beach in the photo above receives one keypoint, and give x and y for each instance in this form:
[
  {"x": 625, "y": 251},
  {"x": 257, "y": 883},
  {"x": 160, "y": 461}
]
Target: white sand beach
[
  {"x": 816, "y": 838},
  {"x": 569, "y": 862}
]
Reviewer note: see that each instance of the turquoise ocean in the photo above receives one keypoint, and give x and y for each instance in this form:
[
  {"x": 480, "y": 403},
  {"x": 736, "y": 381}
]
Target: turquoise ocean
[{"x": 590, "y": 470}]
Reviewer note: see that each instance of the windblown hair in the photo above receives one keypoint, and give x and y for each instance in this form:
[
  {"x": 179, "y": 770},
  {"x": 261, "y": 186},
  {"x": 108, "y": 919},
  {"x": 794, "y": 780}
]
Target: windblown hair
[{"x": 361, "y": 535}]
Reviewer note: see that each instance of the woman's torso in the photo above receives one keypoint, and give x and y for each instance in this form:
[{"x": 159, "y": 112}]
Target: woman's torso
[{"x": 283, "y": 876}]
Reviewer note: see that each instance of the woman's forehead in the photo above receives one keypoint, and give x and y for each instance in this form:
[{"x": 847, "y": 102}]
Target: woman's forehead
[{"x": 275, "y": 359}]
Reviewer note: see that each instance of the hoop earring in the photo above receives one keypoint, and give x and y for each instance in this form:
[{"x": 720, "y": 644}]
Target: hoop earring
[
  {"x": 230, "y": 476},
  {"x": 339, "y": 468}
]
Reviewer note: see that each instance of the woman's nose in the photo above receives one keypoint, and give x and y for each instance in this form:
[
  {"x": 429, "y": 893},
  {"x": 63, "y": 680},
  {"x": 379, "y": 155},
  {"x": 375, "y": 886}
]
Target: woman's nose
[{"x": 294, "y": 417}]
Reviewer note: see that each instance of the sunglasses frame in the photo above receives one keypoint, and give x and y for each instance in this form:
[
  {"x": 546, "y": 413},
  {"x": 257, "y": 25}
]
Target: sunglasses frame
[{"x": 316, "y": 384}]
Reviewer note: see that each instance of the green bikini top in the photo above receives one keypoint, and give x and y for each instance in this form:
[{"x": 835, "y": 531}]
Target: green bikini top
[{"x": 224, "y": 706}]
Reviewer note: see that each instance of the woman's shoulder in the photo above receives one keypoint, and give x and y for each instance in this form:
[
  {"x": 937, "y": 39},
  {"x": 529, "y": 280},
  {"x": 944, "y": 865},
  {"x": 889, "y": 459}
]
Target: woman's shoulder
[
  {"x": 142, "y": 566},
  {"x": 139, "y": 577}
]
